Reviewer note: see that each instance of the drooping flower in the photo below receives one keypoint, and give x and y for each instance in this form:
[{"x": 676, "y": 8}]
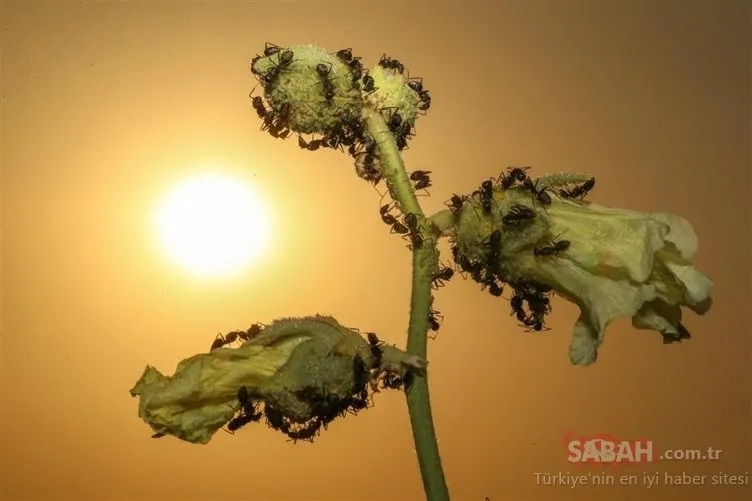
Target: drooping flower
[
  {"x": 298, "y": 373},
  {"x": 539, "y": 236}
]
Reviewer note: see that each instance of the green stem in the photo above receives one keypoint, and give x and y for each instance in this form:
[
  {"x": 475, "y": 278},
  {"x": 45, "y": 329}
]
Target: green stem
[{"x": 425, "y": 264}]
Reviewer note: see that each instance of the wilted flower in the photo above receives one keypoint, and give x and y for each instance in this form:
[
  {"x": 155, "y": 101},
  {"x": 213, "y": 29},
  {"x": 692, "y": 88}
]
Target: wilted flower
[
  {"x": 539, "y": 235},
  {"x": 300, "y": 373}
]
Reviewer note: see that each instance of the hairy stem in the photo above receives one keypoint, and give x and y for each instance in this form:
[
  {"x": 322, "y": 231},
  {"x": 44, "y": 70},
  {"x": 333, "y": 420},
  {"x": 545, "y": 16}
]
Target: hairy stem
[
  {"x": 425, "y": 264},
  {"x": 442, "y": 223}
]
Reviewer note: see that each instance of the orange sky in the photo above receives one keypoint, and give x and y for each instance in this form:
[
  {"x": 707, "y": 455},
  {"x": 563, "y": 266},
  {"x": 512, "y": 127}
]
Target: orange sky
[{"x": 106, "y": 105}]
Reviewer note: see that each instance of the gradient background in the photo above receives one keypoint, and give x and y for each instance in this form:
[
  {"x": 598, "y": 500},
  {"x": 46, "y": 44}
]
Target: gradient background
[{"x": 106, "y": 105}]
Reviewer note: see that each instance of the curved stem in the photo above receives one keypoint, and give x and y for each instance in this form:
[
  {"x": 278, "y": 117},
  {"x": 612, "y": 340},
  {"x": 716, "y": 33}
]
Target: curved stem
[{"x": 425, "y": 264}]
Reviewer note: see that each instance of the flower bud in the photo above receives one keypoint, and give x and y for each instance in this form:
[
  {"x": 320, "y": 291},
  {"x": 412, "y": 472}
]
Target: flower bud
[
  {"x": 303, "y": 371},
  {"x": 308, "y": 88},
  {"x": 539, "y": 237}
]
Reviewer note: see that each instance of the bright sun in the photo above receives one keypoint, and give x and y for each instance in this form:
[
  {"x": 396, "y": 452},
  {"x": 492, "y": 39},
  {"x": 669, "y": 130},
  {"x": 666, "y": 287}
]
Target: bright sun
[{"x": 213, "y": 225}]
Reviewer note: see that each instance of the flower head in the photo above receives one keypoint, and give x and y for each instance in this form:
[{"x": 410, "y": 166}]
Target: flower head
[
  {"x": 307, "y": 90},
  {"x": 298, "y": 373},
  {"x": 539, "y": 236}
]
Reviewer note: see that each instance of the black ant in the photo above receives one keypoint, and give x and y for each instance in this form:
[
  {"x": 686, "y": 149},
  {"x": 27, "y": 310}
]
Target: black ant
[
  {"x": 425, "y": 100},
  {"x": 494, "y": 244},
  {"x": 275, "y": 419},
  {"x": 416, "y": 85},
  {"x": 345, "y": 55},
  {"x": 231, "y": 337},
  {"x": 307, "y": 433},
  {"x": 391, "y": 64},
  {"x": 159, "y": 434},
  {"x": 411, "y": 222},
  {"x": 368, "y": 83},
  {"x": 514, "y": 175},
  {"x": 386, "y": 216},
  {"x": 283, "y": 61},
  {"x": 455, "y": 203},
  {"x": 421, "y": 179},
  {"x": 541, "y": 195},
  {"x": 311, "y": 145},
  {"x": 218, "y": 342},
  {"x": 403, "y": 133},
  {"x": 494, "y": 288},
  {"x": 258, "y": 105},
  {"x": 434, "y": 319},
  {"x": 271, "y": 49},
  {"x": 366, "y": 166},
  {"x": 551, "y": 250},
  {"x": 517, "y": 304},
  {"x": 376, "y": 351},
  {"x": 518, "y": 214},
  {"x": 248, "y": 412},
  {"x": 579, "y": 191},
  {"x": 442, "y": 275},
  {"x": 323, "y": 71},
  {"x": 252, "y": 331},
  {"x": 486, "y": 195}
]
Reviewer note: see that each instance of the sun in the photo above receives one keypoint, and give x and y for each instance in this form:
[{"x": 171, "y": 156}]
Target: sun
[{"x": 213, "y": 225}]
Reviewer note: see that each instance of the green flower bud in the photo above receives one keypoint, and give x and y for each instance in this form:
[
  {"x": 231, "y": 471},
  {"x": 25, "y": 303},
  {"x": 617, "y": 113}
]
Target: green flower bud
[
  {"x": 293, "y": 367},
  {"x": 392, "y": 94},
  {"x": 610, "y": 262},
  {"x": 296, "y": 82}
]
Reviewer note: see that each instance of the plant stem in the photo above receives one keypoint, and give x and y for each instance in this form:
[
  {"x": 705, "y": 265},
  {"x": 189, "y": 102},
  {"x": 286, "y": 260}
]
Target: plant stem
[{"x": 425, "y": 264}]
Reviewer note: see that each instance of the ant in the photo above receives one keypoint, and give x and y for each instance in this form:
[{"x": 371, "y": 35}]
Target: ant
[
  {"x": 486, "y": 195},
  {"x": 494, "y": 288},
  {"x": 488, "y": 279},
  {"x": 434, "y": 319},
  {"x": 275, "y": 419},
  {"x": 416, "y": 85},
  {"x": 421, "y": 179},
  {"x": 541, "y": 195},
  {"x": 518, "y": 214},
  {"x": 258, "y": 105},
  {"x": 579, "y": 191},
  {"x": 395, "y": 122},
  {"x": 539, "y": 306},
  {"x": 494, "y": 244},
  {"x": 425, "y": 100},
  {"x": 307, "y": 433},
  {"x": 271, "y": 49},
  {"x": 455, "y": 203},
  {"x": 368, "y": 83},
  {"x": 411, "y": 222},
  {"x": 391, "y": 64},
  {"x": 221, "y": 341},
  {"x": 442, "y": 275},
  {"x": 554, "y": 249},
  {"x": 376, "y": 351},
  {"x": 311, "y": 145},
  {"x": 283, "y": 61},
  {"x": 323, "y": 71},
  {"x": 386, "y": 216},
  {"x": 366, "y": 166},
  {"x": 517, "y": 307},
  {"x": 403, "y": 134},
  {"x": 514, "y": 175},
  {"x": 345, "y": 55},
  {"x": 253, "y": 331},
  {"x": 248, "y": 412},
  {"x": 392, "y": 221},
  {"x": 159, "y": 434}
]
